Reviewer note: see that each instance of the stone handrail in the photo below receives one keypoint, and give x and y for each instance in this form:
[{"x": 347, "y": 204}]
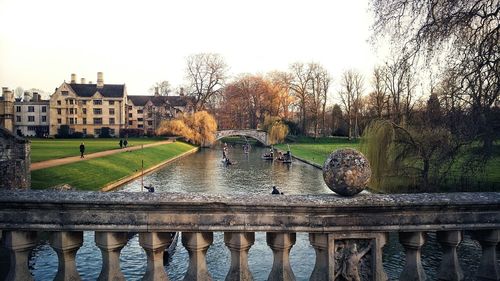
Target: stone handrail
[{"x": 327, "y": 219}]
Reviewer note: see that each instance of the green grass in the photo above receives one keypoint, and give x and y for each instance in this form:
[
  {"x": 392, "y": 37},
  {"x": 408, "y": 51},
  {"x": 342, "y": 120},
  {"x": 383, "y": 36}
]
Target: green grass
[
  {"x": 95, "y": 173},
  {"x": 317, "y": 150},
  {"x": 47, "y": 149}
]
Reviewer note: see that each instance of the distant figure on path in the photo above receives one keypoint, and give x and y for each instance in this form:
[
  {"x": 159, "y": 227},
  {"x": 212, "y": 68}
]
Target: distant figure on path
[
  {"x": 125, "y": 142},
  {"x": 82, "y": 150},
  {"x": 275, "y": 190},
  {"x": 121, "y": 143}
]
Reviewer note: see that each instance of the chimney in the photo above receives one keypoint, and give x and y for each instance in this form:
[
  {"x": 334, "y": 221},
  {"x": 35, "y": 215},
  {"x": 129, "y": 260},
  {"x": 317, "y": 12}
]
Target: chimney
[
  {"x": 156, "y": 92},
  {"x": 181, "y": 92},
  {"x": 100, "y": 80},
  {"x": 73, "y": 78},
  {"x": 36, "y": 96},
  {"x": 8, "y": 95},
  {"x": 83, "y": 81}
]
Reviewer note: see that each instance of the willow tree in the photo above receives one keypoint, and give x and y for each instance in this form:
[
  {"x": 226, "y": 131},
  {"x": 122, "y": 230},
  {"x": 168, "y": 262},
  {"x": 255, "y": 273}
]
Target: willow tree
[
  {"x": 413, "y": 156},
  {"x": 198, "y": 128}
]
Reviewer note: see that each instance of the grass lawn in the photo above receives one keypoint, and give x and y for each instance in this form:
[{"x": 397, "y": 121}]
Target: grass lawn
[
  {"x": 317, "y": 150},
  {"x": 46, "y": 149},
  {"x": 96, "y": 173}
]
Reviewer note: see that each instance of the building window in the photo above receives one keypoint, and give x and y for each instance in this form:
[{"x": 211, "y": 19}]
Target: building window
[
  {"x": 84, "y": 102},
  {"x": 129, "y": 107},
  {"x": 98, "y": 111},
  {"x": 97, "y": 132},
  {"x": 84, "y": 130},
  {"x": 84, "y": 110},
  {"x": 71, "y": 121},
  {"x": 150, "y": 123},
  {"x": 31, "y": 118},
  {"x": 59, "y": 111},
  {"x": 111, "y": 102},
  {"x": 98, "y": 121},
  {"x": 111, "y": 111},
  {"x": 84, "y": 121},
  {"x": 140, "y": 119},
  {"x": 139, "y": 111},
  {"x": 130, "y": 115},
  {"x": 31, "y": 128},
  {"x": 58, "y": 102},
  {"x": 97, "y": 102},
  {"x": 76, "y": 110},
  {"x": 44, "y": 109},
  {"x": 70, "y": 101},
  {"x": 18, "y": 118},
  {"x": 140, "y": 126},
  {"x": 58, "y": 120},
  {"x": 71, "y": 111},
  {"x": 111, "y": 121},
  {"x": 44, "y": 118},
  {"x": 64, "y": 93},
  {"x": 150, "y": 115},
  {"x": 31, "y": 108},
  {"x": 18, "y": 108},
  {"x": 130, "y": 123}
]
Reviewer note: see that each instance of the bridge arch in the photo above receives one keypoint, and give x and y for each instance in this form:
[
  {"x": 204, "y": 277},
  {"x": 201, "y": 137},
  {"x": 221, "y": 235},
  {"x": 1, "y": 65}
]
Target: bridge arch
[{"x": 255, "y": 134}]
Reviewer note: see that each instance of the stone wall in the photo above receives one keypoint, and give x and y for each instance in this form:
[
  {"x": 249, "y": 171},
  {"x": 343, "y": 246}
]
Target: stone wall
[{"x": 15, "y": 160}]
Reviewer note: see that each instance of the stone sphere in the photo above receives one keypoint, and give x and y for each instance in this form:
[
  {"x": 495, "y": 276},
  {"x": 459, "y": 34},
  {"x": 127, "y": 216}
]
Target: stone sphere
[{"x": 346, "y": 172}]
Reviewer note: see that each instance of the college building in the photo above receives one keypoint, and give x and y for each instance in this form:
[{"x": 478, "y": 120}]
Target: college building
[
  {"x": 31, "y": 116},
  {"x": 87, "y": 107}
]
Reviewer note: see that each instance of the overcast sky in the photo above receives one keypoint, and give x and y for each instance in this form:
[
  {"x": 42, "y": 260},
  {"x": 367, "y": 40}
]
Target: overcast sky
[{"x": 141, "y": 42}]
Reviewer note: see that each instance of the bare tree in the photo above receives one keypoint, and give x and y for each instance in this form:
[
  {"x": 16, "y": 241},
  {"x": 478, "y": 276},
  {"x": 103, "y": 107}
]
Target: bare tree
[
  {"x": 466, "y": 33},
  {"x": 206, "y": 74},
  {"x": 282, "y": 81},
  {"x": 300, "y": 88},
  {"x": 350, "y": 95},
  {"x": 378, "y": 97},
  {"x": 163, "y": 88}
]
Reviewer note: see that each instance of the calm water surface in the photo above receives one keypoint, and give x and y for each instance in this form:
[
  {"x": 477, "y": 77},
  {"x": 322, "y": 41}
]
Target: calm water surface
[{"x": 204, "y": 172}]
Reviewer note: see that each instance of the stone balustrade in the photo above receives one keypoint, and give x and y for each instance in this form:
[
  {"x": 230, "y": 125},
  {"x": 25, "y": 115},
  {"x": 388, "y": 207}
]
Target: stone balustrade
[{"x": 347, "y": 234}]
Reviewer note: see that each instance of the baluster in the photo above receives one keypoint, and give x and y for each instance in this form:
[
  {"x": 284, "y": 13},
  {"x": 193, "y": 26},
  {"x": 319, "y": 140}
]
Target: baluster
[
  {"x": 488, "y": 268},
  {"x": 66, "y": 244},
  {"x": 111, "y": 243},
  {"x": 19, "y": 245},
  {"x": 412, "y": 242},
  {"x": 450, "y": 267},
  {"x": 155, "y": 243},
  {"x": 197, "y": 243},
  {"x": 281, "y": 244},
  {"x": 325, "y": 259},
  {"x": 239, "y": 244}
]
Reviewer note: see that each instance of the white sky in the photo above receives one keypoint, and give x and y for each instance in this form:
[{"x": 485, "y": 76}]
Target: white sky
[{"x": 142, "y": 42}]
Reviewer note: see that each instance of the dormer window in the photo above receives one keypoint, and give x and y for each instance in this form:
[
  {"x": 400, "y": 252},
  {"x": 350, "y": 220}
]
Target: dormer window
[
  {"x": 64, "y": 93},
  {"x": 97, "y": 102}
]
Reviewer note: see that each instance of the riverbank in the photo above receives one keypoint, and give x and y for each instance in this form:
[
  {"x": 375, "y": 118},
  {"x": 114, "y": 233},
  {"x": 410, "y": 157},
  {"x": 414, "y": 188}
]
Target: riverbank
[
  {"x": 97, "y": 173},
  {"x": 315, "y": 151}
]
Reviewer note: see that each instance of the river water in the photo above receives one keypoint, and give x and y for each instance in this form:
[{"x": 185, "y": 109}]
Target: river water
[{"x": 205, "y": 172}]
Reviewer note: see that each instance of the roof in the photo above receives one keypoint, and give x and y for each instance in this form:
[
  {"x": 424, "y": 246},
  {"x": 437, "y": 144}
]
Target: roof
[
  {"x": 108, "y": 90},
  {"x": 159, "y": 100}
]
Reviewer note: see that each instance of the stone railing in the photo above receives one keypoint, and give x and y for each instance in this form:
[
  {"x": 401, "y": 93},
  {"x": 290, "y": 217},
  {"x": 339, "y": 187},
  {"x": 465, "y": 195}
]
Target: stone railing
[{"x": 356, "y": 226}]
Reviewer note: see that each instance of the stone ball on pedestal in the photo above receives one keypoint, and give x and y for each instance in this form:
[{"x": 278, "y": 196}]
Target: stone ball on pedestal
[{"x": 346, "y": 172}]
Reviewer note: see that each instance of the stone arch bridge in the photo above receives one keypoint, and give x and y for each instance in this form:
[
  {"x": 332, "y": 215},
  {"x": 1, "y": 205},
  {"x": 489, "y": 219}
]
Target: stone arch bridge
[{"x": 255, "y": 134}]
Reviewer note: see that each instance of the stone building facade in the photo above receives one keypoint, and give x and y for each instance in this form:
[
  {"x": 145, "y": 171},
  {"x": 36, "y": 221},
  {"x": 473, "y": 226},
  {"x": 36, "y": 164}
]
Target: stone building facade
[
  {"x": 147, "y": 112},
  {"x": 87, "y": 108},
  {"x": 7, "y": 109},
  {"x": 31, "y": 116},
  {"x": 15, "y": 161}
]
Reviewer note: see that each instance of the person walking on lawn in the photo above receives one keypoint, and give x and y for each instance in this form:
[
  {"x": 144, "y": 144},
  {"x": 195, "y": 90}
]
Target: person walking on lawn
[
  {"x": 82, "y": 150},
  {"x": 121, "y": 143},
  {"x": 125, "y": 142}
]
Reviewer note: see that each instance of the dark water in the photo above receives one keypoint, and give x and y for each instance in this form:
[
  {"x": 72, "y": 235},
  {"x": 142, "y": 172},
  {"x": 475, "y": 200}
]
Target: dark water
[{"x": 204, "y": 172}]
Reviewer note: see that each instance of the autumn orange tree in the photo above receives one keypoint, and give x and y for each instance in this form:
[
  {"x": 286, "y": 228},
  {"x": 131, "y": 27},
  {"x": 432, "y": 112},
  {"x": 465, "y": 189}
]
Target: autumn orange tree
[{"x": 198, "y": 128}]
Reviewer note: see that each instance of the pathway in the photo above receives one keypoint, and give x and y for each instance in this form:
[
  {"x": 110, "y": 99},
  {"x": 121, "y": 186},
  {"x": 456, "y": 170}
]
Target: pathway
[{"x": 67, "y": 160}]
